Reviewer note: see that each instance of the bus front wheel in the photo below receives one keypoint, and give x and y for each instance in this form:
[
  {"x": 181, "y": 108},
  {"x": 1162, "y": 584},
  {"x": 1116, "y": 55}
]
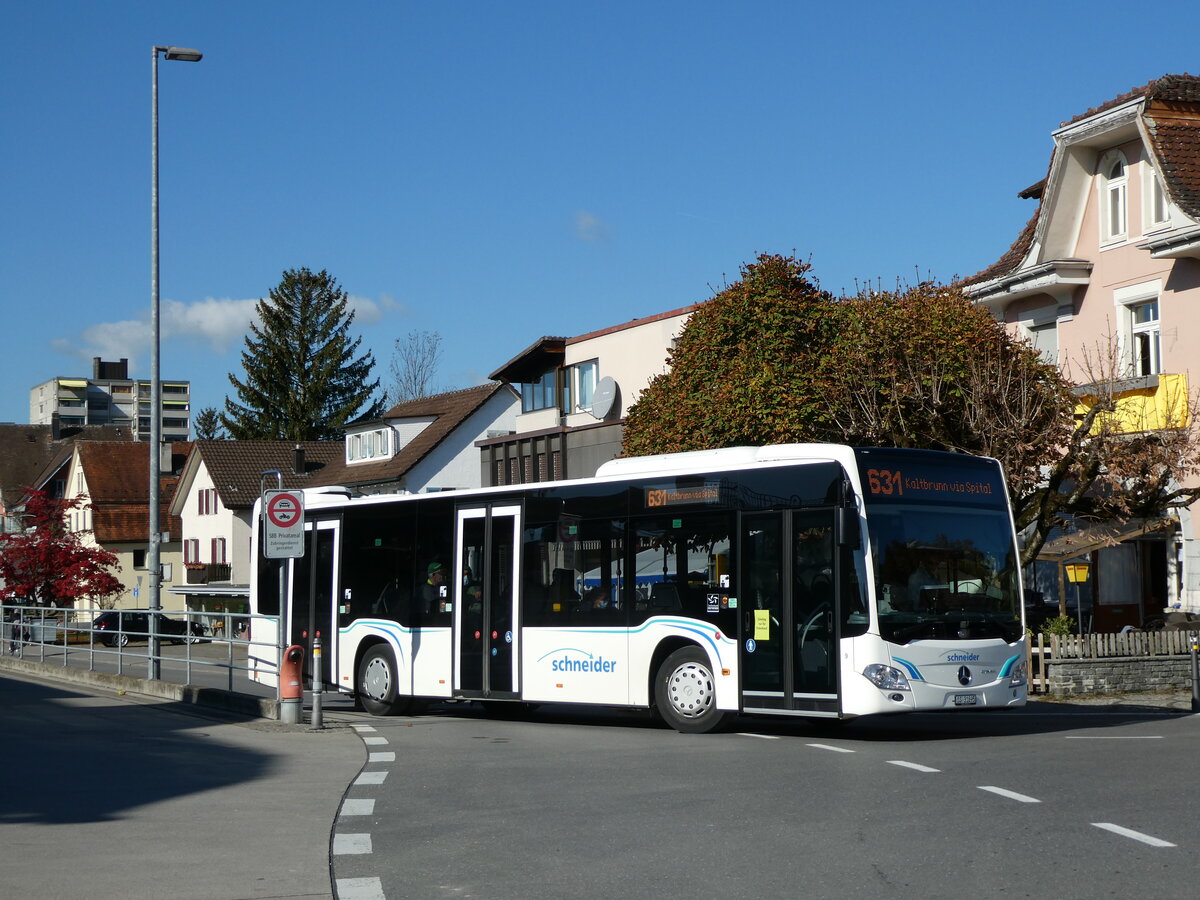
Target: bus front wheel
[
  {"x": 685, "y": 692},
  {"x": 378, "y": 683}
]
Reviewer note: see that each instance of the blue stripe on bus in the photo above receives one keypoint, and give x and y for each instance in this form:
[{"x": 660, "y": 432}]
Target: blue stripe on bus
[
  {"x": 913, "y": 672},
  {"x": 1008, "y": 665}
]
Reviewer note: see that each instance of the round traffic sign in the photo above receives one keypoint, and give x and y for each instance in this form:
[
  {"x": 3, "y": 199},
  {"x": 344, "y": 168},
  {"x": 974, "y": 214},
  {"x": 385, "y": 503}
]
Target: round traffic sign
[{"x": 283, "y": 510}]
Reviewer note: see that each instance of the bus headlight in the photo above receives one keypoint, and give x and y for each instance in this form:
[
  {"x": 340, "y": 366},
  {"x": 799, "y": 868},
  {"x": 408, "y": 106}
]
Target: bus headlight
[
  {"x": 1020, "y": 674},
  {"x": 886, "y": 678}
]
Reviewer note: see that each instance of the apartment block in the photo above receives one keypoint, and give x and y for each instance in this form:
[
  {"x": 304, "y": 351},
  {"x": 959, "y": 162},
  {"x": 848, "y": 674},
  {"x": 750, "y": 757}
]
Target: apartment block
[{"x": 111, "y": 397}]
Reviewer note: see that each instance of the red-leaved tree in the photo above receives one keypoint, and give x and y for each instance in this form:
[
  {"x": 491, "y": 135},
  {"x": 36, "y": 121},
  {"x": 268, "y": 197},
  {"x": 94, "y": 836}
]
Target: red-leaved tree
[{"x": 46, "y": 563}]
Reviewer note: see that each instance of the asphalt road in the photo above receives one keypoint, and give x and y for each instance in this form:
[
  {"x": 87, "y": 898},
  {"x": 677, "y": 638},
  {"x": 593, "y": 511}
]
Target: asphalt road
[
  {"x": 106, "y": 796},
  {"x": 1058, "y": 801}
]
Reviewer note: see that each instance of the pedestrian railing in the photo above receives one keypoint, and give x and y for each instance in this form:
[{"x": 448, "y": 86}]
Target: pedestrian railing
[{"x": 193, "y": 647}]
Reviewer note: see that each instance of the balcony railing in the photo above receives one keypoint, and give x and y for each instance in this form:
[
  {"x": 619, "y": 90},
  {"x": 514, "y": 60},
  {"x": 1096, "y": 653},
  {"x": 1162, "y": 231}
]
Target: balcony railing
[{"x": 207, "y": 573}]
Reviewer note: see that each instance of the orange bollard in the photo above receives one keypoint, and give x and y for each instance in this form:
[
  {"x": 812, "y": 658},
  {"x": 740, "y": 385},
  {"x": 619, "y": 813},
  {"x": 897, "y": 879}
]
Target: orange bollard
[{"x": 291, "y": 685}]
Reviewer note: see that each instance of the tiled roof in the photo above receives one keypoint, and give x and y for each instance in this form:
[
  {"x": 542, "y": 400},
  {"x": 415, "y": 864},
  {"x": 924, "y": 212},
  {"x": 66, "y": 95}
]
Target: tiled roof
[
  {"x": 118, "y": 480},
  {"x": 26, "y": 451},
  {"x": 1172, "y": 119},
  {"x": 450, "y": 410},
  {"x": 236, "y": 467}
]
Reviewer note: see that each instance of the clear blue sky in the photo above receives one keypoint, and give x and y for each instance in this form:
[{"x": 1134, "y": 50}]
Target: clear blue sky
[{"x": 501, "y": 171}]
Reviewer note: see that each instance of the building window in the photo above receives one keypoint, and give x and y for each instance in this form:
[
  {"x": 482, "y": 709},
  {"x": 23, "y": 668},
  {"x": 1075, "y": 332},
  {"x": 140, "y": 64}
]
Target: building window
[
  {"x": 583, "y": 376},
  {"x": 369, "y": 445},
  {"x": 139, "y": 559},
  {"x": 1113, "y": 212},
  {"x": 191, "y": 550},
  {"x": 218, "y": 550},
  {"x": 1147, "y": 342},
  {"x": 1157, "y": 213},
  {"x": 206, "y": 502},
  {"x": 540, "y": 394}
]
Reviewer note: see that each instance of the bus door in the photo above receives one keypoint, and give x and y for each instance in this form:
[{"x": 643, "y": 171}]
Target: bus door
[
  {"x": 485, "y": 621},
  {"x": 788, "y": 637},
  {"x": 314, "y": 593}
]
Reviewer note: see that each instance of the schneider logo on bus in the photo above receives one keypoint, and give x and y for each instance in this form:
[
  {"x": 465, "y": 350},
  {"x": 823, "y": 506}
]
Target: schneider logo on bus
[
  {"x": 584, "y": 662},
  {"x": 892, "y": 482}
]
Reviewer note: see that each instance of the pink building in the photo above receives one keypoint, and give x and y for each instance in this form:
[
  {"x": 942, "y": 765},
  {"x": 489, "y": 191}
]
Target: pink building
[{"x": 1112, "y": 255}]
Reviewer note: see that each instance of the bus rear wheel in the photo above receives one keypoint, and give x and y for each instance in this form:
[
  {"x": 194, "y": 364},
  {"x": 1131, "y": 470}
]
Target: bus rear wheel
[
  {"x": 685, "y": 692},
  {"x": 378, "y": 683}
]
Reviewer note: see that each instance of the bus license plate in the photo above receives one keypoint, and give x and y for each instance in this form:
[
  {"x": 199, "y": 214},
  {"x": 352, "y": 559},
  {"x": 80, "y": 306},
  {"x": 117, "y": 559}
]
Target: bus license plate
[{"x": 965, "y": 699}]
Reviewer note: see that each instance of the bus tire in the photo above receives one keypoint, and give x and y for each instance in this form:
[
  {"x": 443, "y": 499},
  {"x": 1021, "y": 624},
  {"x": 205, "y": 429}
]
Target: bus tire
[
  {"x": 685, "y": 692},
  {"x": 378, "y": 682}
]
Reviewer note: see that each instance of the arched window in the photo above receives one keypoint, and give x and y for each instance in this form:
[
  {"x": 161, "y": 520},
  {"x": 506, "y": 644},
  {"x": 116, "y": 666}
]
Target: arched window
[{"x": 1114, "y": 217}]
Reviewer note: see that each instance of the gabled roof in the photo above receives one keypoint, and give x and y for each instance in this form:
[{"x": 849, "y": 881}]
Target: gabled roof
[
  {"x": 236, "y": 467},
  {"x": 118, "y": 483},
  {"x": 1171, "y": 115},
  {"x": 26, "y": 451},
  {"x": 448, "y": 411}
]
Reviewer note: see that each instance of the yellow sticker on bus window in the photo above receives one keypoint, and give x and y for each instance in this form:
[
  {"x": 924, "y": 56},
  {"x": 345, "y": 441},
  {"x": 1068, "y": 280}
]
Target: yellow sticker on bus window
[{"x": 762, "y": 624}]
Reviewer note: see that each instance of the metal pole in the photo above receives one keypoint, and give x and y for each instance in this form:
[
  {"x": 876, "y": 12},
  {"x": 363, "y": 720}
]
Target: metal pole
[
  {"x": 153, "y": 562},
  {"x": 318, "y": 683},
  {"x": 1195, "y": 672},
  {"x": 154, "y": 566}
]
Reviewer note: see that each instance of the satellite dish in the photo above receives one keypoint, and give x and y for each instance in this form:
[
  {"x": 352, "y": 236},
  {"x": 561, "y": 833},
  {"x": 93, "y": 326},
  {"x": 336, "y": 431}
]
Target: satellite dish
[{"x": 604, "y": 398}]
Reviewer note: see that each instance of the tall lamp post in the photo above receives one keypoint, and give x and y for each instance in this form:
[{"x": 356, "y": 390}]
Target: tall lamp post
[{"x": 182, "y": 54}]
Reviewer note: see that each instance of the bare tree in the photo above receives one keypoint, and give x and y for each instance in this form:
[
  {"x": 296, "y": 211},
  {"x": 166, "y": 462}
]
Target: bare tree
[{"x": 414, "y": 365}]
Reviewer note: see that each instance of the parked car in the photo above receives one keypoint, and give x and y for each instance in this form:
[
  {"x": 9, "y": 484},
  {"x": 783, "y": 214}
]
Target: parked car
[{"x": 119, "y": 627}]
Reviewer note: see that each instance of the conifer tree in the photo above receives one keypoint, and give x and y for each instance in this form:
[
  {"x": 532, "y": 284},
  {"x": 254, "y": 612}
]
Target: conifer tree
[{"x": 304, "y": 380}]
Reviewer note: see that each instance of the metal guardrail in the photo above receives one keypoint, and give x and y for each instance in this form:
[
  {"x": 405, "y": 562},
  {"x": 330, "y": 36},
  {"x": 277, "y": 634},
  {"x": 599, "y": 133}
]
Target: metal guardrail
[{"x": 210, "y": 648}]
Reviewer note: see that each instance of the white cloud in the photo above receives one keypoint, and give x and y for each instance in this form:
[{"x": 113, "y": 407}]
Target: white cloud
[
  {"x": 368, "y": 312},
  {"x": 220, "y": 325},
  {"x": 590, "y": 228}
]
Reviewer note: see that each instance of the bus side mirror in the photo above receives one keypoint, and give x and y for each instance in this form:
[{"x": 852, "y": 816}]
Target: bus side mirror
[{"x": 849, "y": 534}]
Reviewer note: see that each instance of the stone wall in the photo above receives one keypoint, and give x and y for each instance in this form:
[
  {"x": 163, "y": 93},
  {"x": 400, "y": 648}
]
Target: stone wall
[{"x": 1115, "y": 675}]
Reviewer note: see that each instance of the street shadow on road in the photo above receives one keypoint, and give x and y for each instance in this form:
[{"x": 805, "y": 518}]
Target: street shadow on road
[{"x": 69, "y": 757}]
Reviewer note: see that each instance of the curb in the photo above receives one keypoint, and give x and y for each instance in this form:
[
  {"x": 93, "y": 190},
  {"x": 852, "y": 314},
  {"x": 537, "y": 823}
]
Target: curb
[{"x": 189, "y": 694}]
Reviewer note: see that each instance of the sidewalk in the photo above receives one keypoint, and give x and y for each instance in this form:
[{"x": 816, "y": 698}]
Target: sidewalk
[
  {"x": 129, "y": 796},
  {"x": 1166, "y": 700}
]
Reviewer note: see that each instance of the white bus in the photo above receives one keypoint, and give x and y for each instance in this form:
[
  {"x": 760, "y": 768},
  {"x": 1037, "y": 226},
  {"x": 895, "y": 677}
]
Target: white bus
[{"x": 789, "y": 580}]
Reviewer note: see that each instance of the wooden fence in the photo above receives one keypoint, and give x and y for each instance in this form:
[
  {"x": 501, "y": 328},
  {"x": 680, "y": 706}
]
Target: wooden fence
[{"x": 1045, "y": 648}]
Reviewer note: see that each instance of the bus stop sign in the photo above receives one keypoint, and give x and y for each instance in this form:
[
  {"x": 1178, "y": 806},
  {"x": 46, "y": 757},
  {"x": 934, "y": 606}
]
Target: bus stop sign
[{"x": 283, "y": 524}]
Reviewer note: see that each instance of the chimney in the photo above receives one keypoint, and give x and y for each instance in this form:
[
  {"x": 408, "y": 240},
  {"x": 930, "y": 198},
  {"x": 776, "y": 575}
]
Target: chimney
[{"x": 298, "y": 460}]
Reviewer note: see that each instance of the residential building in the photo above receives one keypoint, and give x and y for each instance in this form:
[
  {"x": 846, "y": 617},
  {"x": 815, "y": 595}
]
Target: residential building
[
  {"x": 111, "y": 397},
  {"x": 575, "y": 393},
  {"x": 214, "y": 503},
  {"x": 428, "y": 444},
  {"x": 1111, "y": 257},
  {"x": 113, "y": 478},
  {"x": 420, "y": 446},
  {"x": 27, "y": 451}
]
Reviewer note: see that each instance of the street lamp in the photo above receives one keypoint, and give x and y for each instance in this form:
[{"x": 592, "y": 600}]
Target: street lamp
[{"x": 182, "y": 54}]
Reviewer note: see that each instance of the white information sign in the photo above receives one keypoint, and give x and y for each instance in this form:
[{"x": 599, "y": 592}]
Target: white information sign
[{"x": 283, "y": 524}]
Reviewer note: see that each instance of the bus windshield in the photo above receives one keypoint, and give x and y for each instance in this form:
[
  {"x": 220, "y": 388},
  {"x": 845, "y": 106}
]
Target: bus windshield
[{"x": 944, "y": 573}]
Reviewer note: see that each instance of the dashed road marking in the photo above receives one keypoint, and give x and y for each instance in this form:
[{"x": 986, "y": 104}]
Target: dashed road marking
[
  {"x": 351, "y": 844},
  {"x": 1011, "y": 795},
  {"x": 765, "y": 737},
  {"x": 911, "y": 765},
  {"x": 830, "y": 747},
  {"x": 389, "y": 756},
  {"x": 371, "y": 777},
  {"x": 358, "y": 807},
  {"x": 360, "y": 889},
  {"x": 361, "y": 729},
  {"x": 1114, "y": 737},
  {"x": 374, "y": 741},
  {"x": 1133, "y": 835}
]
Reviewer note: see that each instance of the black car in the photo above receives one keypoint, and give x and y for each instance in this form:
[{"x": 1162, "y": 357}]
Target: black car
[{"x": 118, "y": 628}]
